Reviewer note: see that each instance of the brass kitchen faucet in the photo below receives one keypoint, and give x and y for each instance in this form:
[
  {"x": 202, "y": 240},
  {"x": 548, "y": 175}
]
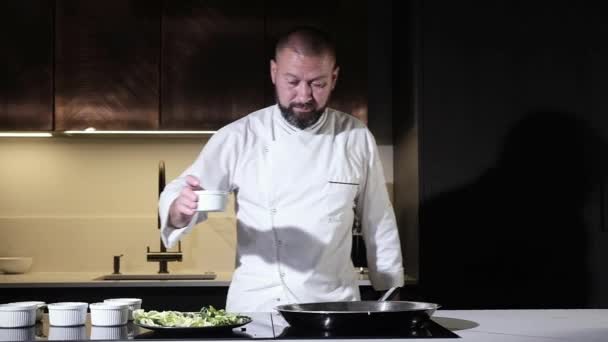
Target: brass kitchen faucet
[{"x": 162, "y": 256}]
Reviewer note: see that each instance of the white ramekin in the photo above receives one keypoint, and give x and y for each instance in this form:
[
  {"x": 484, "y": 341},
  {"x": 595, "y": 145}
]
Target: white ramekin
[
  {"x": 109, "y": 313},
  {"x": 134, "y": 304},
  {"x": 39, "y": 310},
  {"x": 18, "y": 334},
  {"x": 211, "y": 200},
  {"x": 17, "y": 315},
  {"x": 57, "y": 333},
  {"x": 109, "y": 333},
  {"x": 66, "y": 314}
]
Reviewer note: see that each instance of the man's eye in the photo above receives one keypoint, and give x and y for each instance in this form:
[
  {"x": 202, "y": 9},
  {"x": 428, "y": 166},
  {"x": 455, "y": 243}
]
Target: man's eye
[
  {"x": 319, "y": 85},
  {"x": 293, "y": 83}
]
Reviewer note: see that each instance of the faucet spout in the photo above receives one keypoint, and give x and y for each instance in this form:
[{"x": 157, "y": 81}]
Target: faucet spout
[
  {"x": 161, "y": 186},
  {"x": 162, "y": 256}
]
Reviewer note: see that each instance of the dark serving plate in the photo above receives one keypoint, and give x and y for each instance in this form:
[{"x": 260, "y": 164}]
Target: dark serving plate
[{"x": 196, "y": 330}]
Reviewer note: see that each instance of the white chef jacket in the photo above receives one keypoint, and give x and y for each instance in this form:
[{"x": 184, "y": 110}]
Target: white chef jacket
[{"x": 297, "y": 191}]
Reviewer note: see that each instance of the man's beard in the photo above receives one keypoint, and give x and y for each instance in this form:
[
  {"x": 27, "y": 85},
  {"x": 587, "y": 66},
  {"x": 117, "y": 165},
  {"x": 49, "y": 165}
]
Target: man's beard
[{"x": 301, "y": 120}]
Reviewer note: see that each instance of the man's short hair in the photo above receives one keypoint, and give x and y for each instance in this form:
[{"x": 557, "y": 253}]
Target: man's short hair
[{"x": 307, "y": 41}]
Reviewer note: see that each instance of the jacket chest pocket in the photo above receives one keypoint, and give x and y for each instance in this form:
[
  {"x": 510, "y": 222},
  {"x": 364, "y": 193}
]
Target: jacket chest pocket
[{"x": 340, "y": 198}]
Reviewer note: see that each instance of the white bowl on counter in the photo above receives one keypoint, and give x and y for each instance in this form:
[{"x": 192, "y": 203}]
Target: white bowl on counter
[
  {"x": 15, "y": 265},
  {"x": 39, "y": 308},
  {"x": 109, "y": 314},
  {"x": 66, "y": 314},
  {"x": 134, "y": 304},
  {"x": 211, "y": 200},
  {"x": 17, "y": 315}
]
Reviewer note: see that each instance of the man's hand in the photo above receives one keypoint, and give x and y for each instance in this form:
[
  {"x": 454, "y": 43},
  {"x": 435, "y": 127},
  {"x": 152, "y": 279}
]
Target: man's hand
[{"x": 184, "y": 206}]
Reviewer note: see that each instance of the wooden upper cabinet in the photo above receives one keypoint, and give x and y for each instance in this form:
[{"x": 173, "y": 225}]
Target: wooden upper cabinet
[
  {"x": 107, "y": 64},
  {"x": 160, "y": 64},
  {"x": 213, "y": 65},
  {"x": 26, "y": 60},
  {"x": 346, "y": 21}
]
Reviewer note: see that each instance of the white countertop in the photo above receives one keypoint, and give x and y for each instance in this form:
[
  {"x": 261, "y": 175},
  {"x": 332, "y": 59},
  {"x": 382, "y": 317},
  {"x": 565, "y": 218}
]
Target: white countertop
[
  {"x": 586, "y": 325},
  {"x": 525, "y": 325}
]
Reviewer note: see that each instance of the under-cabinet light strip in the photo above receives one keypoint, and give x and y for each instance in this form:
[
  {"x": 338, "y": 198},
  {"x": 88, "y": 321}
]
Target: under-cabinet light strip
[
  {"x": 91, "y": 132},
  {"x": 25, "y": 135}
]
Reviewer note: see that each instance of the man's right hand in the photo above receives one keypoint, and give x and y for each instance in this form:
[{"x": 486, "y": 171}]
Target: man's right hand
[{"x": 184, "y": 206}]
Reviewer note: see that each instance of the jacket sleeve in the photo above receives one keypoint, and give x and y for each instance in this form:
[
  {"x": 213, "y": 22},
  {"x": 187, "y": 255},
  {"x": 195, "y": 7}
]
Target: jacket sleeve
[
  {"x": 213, "y": 167},
  {"x": 378, "y": 224}
]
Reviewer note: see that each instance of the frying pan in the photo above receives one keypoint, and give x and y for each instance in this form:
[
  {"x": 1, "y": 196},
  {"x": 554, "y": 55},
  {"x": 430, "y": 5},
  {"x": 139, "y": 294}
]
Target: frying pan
[{"x": 358, "y": 315}]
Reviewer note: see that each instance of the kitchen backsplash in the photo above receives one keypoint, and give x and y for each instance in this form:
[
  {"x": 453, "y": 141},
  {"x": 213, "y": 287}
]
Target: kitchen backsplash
[{"x": 73, "y": 203}]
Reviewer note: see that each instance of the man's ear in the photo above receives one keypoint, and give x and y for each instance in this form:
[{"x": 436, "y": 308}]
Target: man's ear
[
  {"x": 273, "y": 71},
  {"x": 334, "y": 77}
]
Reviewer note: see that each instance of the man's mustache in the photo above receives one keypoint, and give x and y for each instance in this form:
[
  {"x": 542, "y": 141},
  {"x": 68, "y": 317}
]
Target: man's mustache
[{"x": 306, "y": 105}]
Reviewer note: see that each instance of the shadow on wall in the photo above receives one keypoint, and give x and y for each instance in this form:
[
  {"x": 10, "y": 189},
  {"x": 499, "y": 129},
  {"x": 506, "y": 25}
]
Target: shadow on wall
[{"x": 516, "y": 236}]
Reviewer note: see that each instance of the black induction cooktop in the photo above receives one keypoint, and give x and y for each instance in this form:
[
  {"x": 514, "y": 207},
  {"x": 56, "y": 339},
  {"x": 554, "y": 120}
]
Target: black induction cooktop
[
  {"x": 428, "y": 330},
  {"x": 272, "y": 326}
]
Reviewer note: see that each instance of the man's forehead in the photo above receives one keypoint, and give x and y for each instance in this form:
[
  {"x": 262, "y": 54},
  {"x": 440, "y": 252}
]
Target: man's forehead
[
  {"x": 292, "y": 53},
  {"x": 312, "y": 77}
]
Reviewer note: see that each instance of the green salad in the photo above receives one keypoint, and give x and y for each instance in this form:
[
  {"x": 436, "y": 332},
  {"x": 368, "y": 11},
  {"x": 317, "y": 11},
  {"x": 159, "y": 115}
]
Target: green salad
[{"x": 206, "y": 317}]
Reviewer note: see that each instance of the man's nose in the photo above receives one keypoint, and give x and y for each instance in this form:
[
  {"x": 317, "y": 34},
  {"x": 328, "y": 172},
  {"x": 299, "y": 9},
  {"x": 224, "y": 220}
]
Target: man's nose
[{"x": 304, "y": 92}]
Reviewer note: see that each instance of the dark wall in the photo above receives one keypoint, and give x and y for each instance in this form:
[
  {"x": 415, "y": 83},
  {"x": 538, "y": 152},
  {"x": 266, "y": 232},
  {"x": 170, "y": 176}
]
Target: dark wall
[
  {"x": 513, "y": 129},
  {"x": 380, "y": 68},
  {"x": 405, "y": 71}
]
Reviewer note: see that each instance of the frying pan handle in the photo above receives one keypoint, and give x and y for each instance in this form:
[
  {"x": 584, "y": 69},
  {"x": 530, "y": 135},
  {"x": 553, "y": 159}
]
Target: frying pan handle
[{"x": 388, "y": 295}]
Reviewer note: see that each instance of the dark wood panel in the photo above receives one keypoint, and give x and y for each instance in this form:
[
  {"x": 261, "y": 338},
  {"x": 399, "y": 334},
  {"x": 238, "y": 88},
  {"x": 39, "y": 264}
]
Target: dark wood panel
[
  {"x": 26, "y": 87},
  {"x": 346, "y": 21},
  {"x": 107, "y": 64},
  {"x": 213, "y": 66}
]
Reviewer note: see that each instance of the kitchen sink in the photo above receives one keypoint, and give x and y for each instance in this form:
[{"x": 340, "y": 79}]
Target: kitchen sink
[{"x": 155, "y": 276}]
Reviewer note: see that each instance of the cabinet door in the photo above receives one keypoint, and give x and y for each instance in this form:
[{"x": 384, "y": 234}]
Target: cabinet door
[
  {"x": 213, "y": 66},
  {"x": 346, "y": 21},
  {"x": 107, "y": 64},
  {"x": 26, "y": 86}
]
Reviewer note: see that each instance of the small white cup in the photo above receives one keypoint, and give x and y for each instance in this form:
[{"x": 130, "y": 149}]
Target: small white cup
[
  {"x": 17, "y": 315},
  {"x": 109, "y": 314},
  {"x": 66, "y": 314},
  {"x": 211, "y": 200},
  {"x": 39, "y": 310},
  {"x": 134, "y": 304}
]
